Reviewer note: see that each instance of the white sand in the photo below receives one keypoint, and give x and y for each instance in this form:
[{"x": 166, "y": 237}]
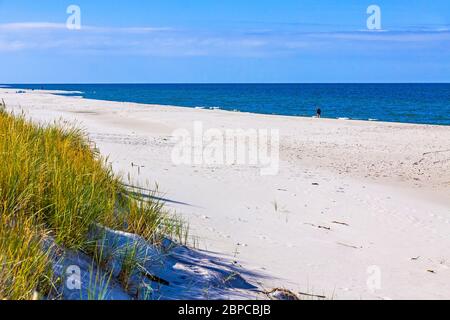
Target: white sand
[{"x": 387, "y": 182}]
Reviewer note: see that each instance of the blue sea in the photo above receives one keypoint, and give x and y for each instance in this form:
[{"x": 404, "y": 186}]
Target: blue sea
[{"x": 410, "y": 103}]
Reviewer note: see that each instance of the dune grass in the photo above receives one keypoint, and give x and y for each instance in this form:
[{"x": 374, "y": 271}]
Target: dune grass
[
  {"x": 54, "y": 183},
  {"x": 24, "y": 265}
]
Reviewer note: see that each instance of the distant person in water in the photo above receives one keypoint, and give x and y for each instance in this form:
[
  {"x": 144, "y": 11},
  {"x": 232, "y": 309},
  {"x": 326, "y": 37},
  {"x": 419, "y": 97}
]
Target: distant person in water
[{"x": 319, "y": 113}]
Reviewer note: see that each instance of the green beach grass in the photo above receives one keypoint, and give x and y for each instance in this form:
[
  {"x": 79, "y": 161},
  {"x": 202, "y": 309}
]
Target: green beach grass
[{"x": 53, "y": 183}]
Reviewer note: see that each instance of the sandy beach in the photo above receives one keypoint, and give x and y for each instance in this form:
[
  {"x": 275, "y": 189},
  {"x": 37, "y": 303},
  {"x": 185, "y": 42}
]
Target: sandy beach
[{"x": 357, "y": 210}]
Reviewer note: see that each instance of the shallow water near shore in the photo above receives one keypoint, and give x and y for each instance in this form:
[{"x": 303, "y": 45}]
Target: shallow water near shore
[{"x": 408, "y": 103}]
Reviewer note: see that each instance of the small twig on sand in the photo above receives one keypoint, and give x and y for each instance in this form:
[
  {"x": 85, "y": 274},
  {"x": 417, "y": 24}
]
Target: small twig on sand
[
  {"x": 320, "y": 227},
  {"x": 312, "y": 295},
  {"x": 431, "y": 152},
  {"x": 438, "y": 151},
  {"x": 342, "y": 223},
  {"x": 154, "y": 278},
  {"x": 347, "y": 245}
]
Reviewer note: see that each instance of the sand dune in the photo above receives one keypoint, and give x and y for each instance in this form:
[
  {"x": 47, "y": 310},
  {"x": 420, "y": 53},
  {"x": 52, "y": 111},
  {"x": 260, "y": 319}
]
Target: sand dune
[{"x": 358, "y": 210}]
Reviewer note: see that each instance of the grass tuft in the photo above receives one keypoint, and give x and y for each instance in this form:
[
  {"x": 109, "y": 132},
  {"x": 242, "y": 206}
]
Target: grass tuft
[
  {"x": 52, "y": 182},
  {"x": 25, "y": 267}
]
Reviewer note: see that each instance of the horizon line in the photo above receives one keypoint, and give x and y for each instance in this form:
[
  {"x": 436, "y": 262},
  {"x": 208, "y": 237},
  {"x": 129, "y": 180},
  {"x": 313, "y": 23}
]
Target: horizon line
[{"x": 206, "y": 83}]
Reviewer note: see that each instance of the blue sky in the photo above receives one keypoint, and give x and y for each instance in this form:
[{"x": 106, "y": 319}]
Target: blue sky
[{"x": 177, "y": 41}]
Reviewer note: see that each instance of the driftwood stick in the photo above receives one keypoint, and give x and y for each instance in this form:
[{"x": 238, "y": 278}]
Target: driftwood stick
[
  {"x": 154, "y": 278},
  {"x": 342, "y": 223},
  {"x": 312, "y": 295}
]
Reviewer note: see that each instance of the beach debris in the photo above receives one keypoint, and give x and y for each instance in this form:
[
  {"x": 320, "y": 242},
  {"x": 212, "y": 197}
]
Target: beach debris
[
  {"x": 415, "y": 258},
  {"x": 431, "y": 271},
  {"x": 341, "y": 223},
  {"x": 282, "y": 294},
  {"x": 154, "y": 278},
  {"x": 312, "y": 295},
  {"x": 348, "y": 245},
  {"x": 318, "y": 226},
  {"x": 438, "y": 151}
]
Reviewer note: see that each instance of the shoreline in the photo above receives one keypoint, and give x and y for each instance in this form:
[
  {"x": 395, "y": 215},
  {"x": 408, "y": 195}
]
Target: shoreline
[
  {"x": 64, "y": 93},
  {"x": 361, "y": 173}
]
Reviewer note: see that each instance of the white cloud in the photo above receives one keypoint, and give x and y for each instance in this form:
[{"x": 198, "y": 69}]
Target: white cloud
[
  {"x": 50, "y": 26},
  {"x": 164, "y": 41},
  {"x": 21, "y": 26}
]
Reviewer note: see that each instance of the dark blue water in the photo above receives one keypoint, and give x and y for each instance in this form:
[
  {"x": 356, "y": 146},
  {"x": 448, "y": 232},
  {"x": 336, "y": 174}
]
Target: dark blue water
[{"x": 411, "y": 103}]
